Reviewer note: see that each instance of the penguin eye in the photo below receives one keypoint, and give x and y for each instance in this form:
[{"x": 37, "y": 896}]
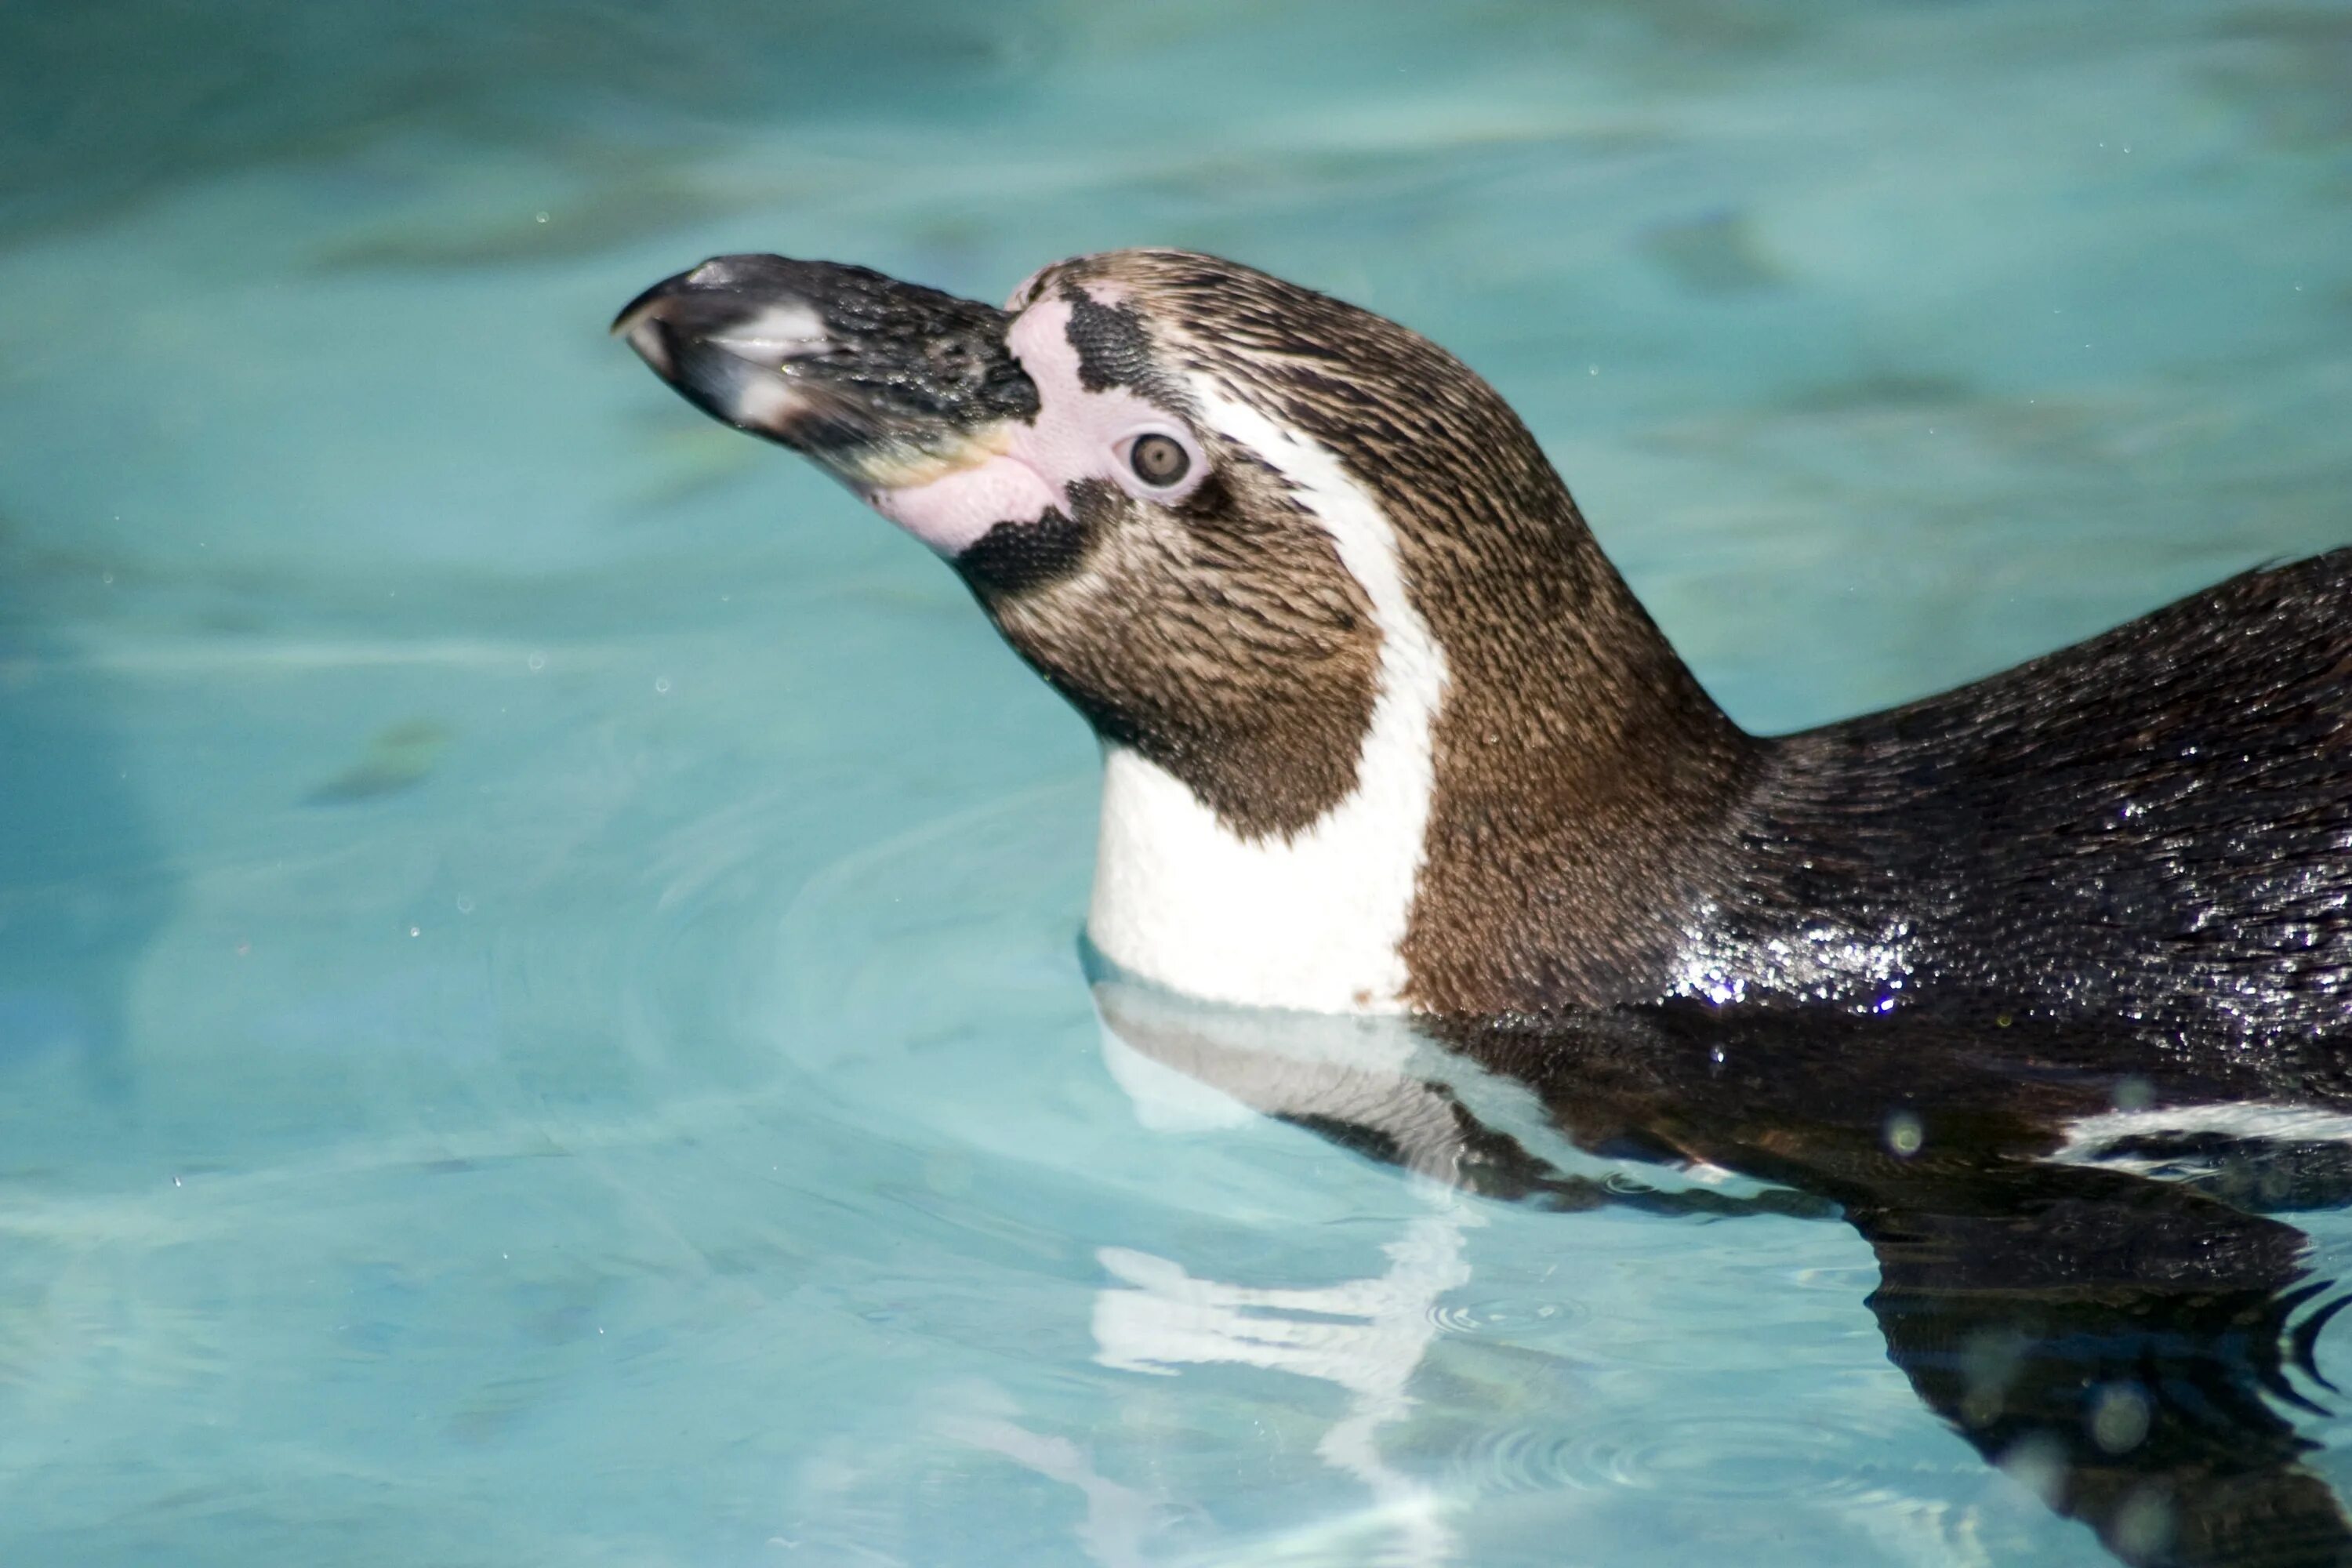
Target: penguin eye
[{"x": 1157, "y": 460}]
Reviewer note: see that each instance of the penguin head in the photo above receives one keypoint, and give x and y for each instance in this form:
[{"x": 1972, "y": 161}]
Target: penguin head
[{"x": 1201, "y": 502}]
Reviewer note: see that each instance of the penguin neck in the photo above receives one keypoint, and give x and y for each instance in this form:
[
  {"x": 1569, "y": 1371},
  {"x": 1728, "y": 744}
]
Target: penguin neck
[
  {"x": 1588, "y": 790},
  {"x": 1541, "y": 790}
]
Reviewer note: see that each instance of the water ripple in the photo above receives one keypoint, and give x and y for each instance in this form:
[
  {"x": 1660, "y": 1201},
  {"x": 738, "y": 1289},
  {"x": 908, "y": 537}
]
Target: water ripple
[
  {"x": 1713, "y": 1451},
  {"x": 1505, "y": 1316}
]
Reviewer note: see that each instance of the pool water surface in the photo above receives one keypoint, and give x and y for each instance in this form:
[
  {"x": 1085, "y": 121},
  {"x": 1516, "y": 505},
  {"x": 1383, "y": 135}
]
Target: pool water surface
[{"x": 541, "y": 1012}]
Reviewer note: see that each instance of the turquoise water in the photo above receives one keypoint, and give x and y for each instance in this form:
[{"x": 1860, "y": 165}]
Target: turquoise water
[{"x": 539, "y": 1016}]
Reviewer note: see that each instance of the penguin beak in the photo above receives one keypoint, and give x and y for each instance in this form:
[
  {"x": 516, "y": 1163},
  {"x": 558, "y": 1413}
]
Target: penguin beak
[{"x": 884, "y": 385}]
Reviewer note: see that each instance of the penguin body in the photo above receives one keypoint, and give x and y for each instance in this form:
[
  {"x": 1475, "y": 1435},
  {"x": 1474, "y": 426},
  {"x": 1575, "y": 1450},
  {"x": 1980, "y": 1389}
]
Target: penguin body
[{"x": 1384, "y": 732}]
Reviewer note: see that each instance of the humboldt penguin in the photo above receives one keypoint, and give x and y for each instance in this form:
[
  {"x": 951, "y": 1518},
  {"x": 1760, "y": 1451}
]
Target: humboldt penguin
[{"x": 1384, "y": 732}]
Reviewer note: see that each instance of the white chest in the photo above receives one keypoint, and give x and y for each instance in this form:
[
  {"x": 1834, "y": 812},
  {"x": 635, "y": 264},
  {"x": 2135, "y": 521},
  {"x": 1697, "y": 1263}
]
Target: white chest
[{"x": 1313, "y": 921}]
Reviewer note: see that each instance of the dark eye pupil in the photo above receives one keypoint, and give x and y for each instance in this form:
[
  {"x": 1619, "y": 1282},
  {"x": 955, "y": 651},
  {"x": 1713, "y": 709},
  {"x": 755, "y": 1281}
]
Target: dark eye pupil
[{"x": 1157, "y": 460}]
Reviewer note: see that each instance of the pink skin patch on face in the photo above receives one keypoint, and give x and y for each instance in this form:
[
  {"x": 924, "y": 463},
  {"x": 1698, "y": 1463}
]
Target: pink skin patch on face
[
  {"x": 1078, "y": 435},
  {"x": 950, "y": 513}
]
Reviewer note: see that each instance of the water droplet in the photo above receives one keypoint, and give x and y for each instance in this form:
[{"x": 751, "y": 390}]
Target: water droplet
[
  {"x": 465, "y": 903},
  {"x": 661, "y": 685},
  {"x": 539, "y": 217},
  {"x": 2039, "y": 1465},
  {"x": 2135, "y": 1094},
  {"x": 2119, "y": 1418},
  {"x": 2144, "y": 1524},
  {"x": 1989, "y": 1361},
  {"x": 417, "y": 931},
  {"x": 1903, "y": 1133},
  {"x": 537, "y": 661}
]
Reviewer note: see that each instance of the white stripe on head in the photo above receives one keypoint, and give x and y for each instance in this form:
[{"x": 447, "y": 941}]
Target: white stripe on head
[{"x": 1314, "y": 921}]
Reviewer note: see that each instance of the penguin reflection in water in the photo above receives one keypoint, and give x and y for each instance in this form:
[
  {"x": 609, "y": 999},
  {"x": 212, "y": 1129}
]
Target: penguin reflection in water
[
  {"x": 1385, "y": 733},
  {"x": 2103, "y": 1302}
]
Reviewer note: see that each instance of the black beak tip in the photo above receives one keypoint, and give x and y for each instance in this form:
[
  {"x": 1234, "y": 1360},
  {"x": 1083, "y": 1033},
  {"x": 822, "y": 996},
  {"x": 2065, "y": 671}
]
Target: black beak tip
[
  {"x": 648, "y": 302},
  {"x": 817, "y": 354},
  {"x": 719, "y": 283}
]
